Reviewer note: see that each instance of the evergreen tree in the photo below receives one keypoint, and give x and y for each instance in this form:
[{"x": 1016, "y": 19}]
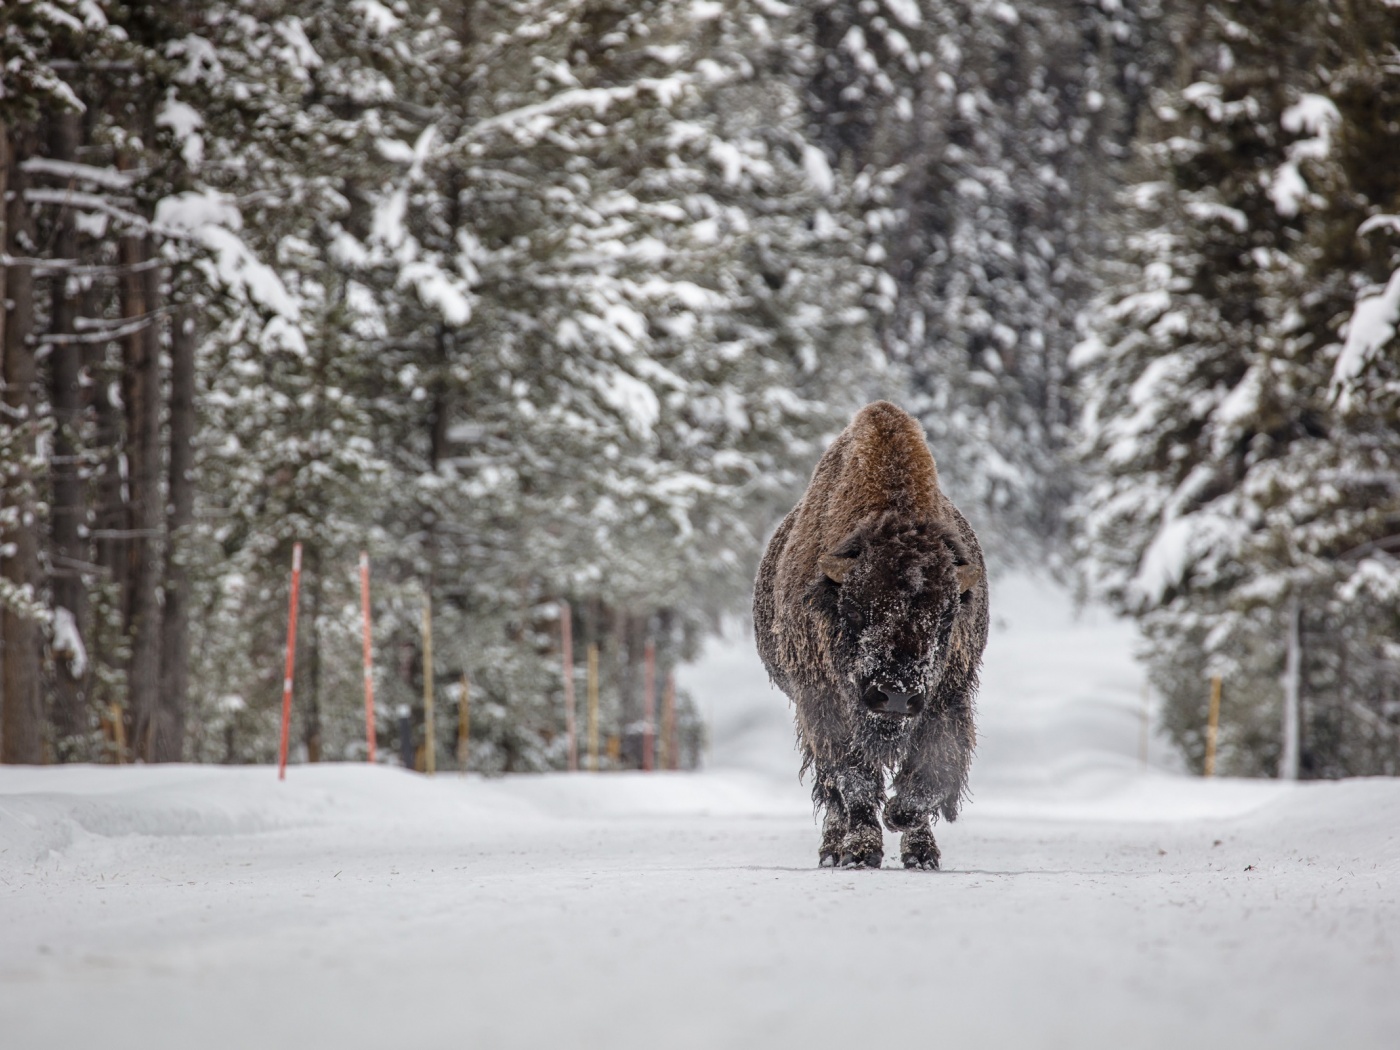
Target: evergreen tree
[
  {"x": 617, "y": 314},
  {"x": 1237, "y": 510},
  {"x": 84, "y": 168},
  {"x": 292, "y": 372},
  {"x": 986, "y": 137}
]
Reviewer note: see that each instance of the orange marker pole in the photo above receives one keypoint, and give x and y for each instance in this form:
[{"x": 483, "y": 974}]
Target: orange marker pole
[
  {"x": 649, "y": 707},
  {"x": 369, "y": 654},
  {"x": 118, "y": 734},
  {"x": 566, "y": 642},
  {"x": 291, "y": 663}
]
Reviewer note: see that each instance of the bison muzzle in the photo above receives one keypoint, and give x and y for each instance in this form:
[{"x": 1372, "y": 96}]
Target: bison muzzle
[{"x": 870, "y": 613}]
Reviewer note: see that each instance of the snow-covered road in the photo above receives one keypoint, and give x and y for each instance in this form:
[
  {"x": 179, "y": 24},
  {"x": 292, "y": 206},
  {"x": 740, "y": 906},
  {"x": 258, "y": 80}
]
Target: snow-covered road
[{"x": 1086, "y": 901}]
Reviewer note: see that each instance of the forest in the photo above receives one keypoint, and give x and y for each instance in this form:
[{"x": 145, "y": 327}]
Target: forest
[{"x": 551, "y": 305}]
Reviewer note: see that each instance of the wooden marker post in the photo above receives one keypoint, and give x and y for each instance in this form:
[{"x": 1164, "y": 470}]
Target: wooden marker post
[
  {"x": 663, "y": 738},
  {"x": 291, "y": 663},
  {"x": 649, "y": 707},
  {"x": 118, "y": 734},
  {"x": 429, "y": 738},
  {"x": 405, "y": 736},
  {"x": 369, "y": 654},
  {"x": 464, "y": 722},
  {"x": 593, "y": 706},
  {"x": 1212, "y": 725},
  {"x": 566, "y": 642},
  {"x": 668, "y": 723}
]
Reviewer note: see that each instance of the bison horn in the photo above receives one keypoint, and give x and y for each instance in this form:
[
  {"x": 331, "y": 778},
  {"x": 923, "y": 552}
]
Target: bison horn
[
  {"x": 835, "y": 567},
  {"x": 968, "y": 575}
]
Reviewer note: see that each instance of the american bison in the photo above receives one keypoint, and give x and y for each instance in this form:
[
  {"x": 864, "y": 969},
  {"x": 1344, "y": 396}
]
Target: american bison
[{"x": 870, "y": 613}]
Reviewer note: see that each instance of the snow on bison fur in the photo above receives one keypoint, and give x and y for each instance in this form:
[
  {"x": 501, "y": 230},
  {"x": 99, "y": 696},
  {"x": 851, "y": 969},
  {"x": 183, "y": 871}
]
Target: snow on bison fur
[{"x": 870, "y": 613}]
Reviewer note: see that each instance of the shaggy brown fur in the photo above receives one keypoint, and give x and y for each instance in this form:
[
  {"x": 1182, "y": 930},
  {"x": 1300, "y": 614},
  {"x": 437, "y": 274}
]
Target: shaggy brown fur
[{"x": 870, "y": 612}]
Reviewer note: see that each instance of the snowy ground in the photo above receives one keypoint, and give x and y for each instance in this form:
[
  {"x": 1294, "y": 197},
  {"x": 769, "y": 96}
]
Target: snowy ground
[{"x": 1087, "y": 900}]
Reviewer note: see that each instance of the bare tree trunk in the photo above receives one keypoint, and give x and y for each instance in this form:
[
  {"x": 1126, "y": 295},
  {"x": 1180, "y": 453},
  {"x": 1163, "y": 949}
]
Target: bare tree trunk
[
  {"x": 1292, "y": 691},
  {"x": 69, "y": 512},
  {"x": 4, "y": 357},
  {"x": 623, "y": 663},
  {"x": 109, "y": 498},
  {"x": 108, "y": 649},
  {"x": 21, "y": 717},
  {"x": 173, "y": 702},
  {"x": 630, "y": 642},
  {"x": 141, "y": 392}
]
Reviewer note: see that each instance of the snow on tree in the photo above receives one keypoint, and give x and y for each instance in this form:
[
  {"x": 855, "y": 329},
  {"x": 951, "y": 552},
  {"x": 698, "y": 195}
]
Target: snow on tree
[
  {"x": 80, "y": 283},
  {"x": 532, "y": 300},
  {"x": 621, "y": 305},
  {"x": 1229, "y": 483},
  {"x": 547, "y": 301},
  {"x": 986, "y": 137},
  {"x": 291, "y": 373}
]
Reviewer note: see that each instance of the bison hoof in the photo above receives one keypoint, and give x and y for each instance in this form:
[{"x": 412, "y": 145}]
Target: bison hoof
[
  {"x": 828, "y": 860},
  {"x": 862, "y": 848},
  {"x": 862, "y": 860},
  {"x": 918, "y": 850}
]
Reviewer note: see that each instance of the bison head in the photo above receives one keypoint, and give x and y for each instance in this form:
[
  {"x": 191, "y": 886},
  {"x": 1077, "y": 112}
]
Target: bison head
[{"x": 892, "y": 593}]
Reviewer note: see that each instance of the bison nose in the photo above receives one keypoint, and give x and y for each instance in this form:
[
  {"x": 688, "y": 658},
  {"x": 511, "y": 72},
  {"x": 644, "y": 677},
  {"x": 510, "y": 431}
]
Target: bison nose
[{"x": 890, "y": 702}]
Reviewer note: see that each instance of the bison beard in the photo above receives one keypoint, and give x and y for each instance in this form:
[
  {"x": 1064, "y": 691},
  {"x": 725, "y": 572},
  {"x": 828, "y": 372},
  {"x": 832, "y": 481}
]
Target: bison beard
[{"x": 870, "y": 612}]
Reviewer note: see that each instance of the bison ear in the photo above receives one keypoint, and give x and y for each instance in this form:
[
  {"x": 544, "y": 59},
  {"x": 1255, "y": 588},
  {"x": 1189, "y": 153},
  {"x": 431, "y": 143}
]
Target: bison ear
[
  {"x": 835, "y": 567},
  {"x": 968, "y": 575}
]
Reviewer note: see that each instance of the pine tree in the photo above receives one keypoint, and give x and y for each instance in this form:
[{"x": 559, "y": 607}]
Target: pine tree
[
  {"x": 614, "y": 314},
  {"x": 1231, "y": 490},
  {"x": 987, "y": 138},
  {"x": 291, "y": 377},
  {"x": 52, "y": 206}
]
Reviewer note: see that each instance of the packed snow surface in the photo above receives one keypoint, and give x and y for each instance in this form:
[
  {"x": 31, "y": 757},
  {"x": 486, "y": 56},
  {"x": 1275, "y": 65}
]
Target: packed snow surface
[{"x": 1088, "y": 899}]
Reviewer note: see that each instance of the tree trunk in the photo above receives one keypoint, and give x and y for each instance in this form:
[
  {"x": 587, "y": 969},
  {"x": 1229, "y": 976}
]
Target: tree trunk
[
  {"x": 173, "y": 702},
  {"x": 141, "y": 392},
  {"x": 628, "y": 661},
  {"x": 69, "y": 512},
  {"x": 1292, "y": 691},
  {"x": 108, "y": 649},
  {"x": 109, "y": 498},
  {"x": 22, "y": 715},
  {"x": 4, "y": 357}
]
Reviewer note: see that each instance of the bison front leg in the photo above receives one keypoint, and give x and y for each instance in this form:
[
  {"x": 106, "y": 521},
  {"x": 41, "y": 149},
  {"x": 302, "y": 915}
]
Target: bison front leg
[
  {"x": 910, "y": 812},
  {"x": 862, "y": 790},
  {"x": 931, "y": 779},
  {"x": 828, "y": 799}
]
